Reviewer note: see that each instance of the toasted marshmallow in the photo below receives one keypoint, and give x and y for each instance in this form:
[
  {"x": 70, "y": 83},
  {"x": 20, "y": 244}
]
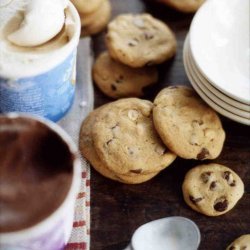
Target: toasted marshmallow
[{"x": 43, "y": 20}]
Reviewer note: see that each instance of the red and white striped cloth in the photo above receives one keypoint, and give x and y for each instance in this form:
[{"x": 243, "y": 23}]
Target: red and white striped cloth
[
  {"x": 80, "y": 237},
  {"x": 83, "y": 104}
]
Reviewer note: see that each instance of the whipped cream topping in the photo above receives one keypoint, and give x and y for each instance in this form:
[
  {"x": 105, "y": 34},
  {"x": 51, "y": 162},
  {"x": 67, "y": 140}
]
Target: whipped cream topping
[
  {"x": 4, "y": 3},
  {"x": 43, "y": 20},
  {"x": 36, "y": 35}
]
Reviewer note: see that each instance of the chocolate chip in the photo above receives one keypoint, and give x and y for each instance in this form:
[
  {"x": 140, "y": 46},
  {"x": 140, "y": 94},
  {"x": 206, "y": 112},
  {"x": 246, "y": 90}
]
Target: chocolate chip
[
  {"x": 232, "y": 248},
  {"x": 233, "y": 184},
  {"x": 203, "y": 154},
  {"x": 148, "y": 36},
  {"x": 115, "y": 125},
  {"x": 113, "y": 87},
  {"x": 206, "y": 176},
  {"x": 118, "y": 80},
  {"x": 227, "y": 175},
  {"x": 109, "y": 141},
  {"x": 195, "y": 200},
  {"x": 165, "y": 151},
  {"x": 221, "y": 204},
  {"x": 133, "y": 42},
  {"x": 130, "y": 151},
  {"x": 136, "y": 171},
  {"x": 149, "y": 63},
  {"x": 243, "y": 248},
  {"x": 200, "y": 122},
  {"x": 213, "y": 185}
]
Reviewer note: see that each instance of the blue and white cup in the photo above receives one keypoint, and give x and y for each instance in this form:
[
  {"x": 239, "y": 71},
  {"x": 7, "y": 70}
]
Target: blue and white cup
[{"x": 46, "y": 87}]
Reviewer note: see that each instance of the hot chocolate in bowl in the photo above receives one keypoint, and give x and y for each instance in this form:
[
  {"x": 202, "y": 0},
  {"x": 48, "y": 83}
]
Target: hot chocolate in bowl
[{"x": 39, "y": 180}]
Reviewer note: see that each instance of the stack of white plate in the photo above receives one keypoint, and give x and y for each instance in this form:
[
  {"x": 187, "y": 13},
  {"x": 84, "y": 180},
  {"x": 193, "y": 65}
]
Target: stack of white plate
[{"x": 216, "y": 57}]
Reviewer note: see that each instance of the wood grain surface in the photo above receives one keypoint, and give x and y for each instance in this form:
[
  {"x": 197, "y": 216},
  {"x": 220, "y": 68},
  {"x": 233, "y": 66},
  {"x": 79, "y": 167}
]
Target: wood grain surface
[{"x": 118, "y": 209}]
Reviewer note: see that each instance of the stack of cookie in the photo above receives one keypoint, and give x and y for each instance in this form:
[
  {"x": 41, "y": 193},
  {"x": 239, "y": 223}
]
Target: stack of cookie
[
  {"x": 120, "y": 142},
  {"x": 135, "y": 43},
  {"x": 94, "y": 14},
  {"x": 131, "y": 140},
  {"x": 118, "y": 80}
]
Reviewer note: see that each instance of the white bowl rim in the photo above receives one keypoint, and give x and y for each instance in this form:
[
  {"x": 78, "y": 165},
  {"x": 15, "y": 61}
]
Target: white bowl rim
[
  {"x": 210, "y": 102},
  {"x": 241, "y": 96},
  {"x": 199, "y": 81},
  {"x": 210, "y": 87}
]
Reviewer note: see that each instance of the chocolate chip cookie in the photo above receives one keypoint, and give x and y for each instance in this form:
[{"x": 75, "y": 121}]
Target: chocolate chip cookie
[
  {"x": 87, "y": 148},
  {"x": 187, "y": 125},
  {"x": 126, "y": 141},
  {"x": 117, "y": 80},
  {"x": 212, "y": 189},
  {"x": 140, "y": 40},
  {"x": 86, "y": 6},
  {"x": 88, "y": 151},
  {"x": 241, "y": 243},
  {"x": 95, "y": 22},
  {"x": 187, "y": 6}
]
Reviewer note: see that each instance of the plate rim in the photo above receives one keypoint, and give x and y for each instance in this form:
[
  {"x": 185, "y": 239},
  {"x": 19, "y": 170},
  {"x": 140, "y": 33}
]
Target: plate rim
[
  {"x": 244, "y": 99},
  {"x": 212, "y": 89},
  {"x": 216, "y": 107},
  {"x": 230, "y": 108}
]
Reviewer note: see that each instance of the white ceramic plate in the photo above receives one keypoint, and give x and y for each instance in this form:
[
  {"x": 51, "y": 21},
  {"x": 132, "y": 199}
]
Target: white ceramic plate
[
  {"x": 199, "y": 81},
  {"x": 216, "y": 100},
  {"x": 219, "y": 42},
  {"x": 210, "y": 87},
  {"x": 213, "y": 105}
]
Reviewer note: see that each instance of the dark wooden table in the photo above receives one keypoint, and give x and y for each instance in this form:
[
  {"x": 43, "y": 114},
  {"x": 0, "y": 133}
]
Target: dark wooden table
[{"x": 118, "y": 209}]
